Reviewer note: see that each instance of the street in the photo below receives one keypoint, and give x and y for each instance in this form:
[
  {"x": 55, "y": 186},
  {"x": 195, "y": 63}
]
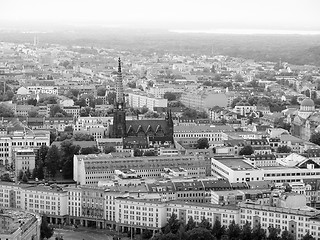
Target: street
[{"x": 86, "y": 234}]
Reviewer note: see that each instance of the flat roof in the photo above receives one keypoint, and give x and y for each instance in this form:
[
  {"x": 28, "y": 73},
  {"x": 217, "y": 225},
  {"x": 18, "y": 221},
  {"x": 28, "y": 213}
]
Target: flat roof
[{"x": 236, "y": 164}]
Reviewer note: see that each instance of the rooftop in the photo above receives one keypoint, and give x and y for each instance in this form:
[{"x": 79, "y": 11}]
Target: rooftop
[{"x": 236, "y": 164}]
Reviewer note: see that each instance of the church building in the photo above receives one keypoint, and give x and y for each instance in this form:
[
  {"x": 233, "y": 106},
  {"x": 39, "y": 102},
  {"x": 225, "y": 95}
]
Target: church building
[
  {"x": 138, "y": 133},
  {"x": 306, "y": 120}
]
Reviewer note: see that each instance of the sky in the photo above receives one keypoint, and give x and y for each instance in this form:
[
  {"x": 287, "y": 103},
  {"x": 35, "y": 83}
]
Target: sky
[{"x": 296, "y": 15}]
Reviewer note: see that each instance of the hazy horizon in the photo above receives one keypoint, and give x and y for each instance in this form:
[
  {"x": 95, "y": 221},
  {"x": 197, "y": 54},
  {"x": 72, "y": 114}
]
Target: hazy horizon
[{"x": 245, "y": 16}]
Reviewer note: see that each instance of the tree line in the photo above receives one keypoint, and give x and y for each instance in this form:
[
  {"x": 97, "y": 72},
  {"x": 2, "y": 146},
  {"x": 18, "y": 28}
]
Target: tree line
[
  {"x": 51, "y": 160},
  {"x": 175, "y": 229}
]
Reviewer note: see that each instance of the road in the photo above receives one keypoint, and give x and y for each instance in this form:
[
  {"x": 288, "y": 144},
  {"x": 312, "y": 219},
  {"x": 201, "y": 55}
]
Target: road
[{"x": 87, "y": 234}]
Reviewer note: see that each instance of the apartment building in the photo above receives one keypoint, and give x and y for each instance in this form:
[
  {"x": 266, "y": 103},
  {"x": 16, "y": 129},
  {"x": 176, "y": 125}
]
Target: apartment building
[
  {"x": 24, "y": 159},
  {"x": 50, "y": 200},
  {"x": 139, "y": 100},
  {"x": 72, "y": 110},
  {"x": 194, "y": 132},
  {"x": 90, "y": 169},
  {"x": 92, "y": 206},
  {"x": 135, "y": 215},
  {"x": 295, "y": 220},
  {"x": 237, "y": 169},
  {"x": 74, "y": 204},
  {"x": 21, "y": 139},
  {"x": 53, "y": 90}
]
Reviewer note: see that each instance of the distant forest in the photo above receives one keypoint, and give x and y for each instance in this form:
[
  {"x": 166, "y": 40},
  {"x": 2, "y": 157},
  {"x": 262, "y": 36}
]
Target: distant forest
[{"x": 295, "y": 49}]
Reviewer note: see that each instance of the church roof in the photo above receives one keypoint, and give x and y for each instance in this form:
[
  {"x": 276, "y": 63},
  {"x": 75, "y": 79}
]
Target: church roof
[
  {"x": 146, "y": 124},
  {"x": 307, "y": 102}
]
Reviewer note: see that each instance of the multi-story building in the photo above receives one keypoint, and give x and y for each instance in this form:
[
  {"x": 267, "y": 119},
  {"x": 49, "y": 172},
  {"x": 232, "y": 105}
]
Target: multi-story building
[
  {"x": 93, "y": 206},
  {"x": 24, "y": 159},
  {"x": 237, "y": 169},
  {"x": 72, "y": 110},
  {"x": 74, "y": 204},
  {"x": 90, "y": 169},
  {"x": 135, "y": 215},
  {"x": 139, "y": 100},
  {"x": 202, "y": 101},
  {"x": 53, "y": 90},
  {"x": 50, "y": 200},
  {"x": 194, "y": 132},
  {"x": 58, "y": 124},
  {"x": 21, "y": 139}
]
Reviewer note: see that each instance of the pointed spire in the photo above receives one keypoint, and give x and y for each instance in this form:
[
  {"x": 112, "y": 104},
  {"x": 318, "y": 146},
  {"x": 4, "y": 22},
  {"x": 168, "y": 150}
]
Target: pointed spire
[{"x": 119, "y": 65}]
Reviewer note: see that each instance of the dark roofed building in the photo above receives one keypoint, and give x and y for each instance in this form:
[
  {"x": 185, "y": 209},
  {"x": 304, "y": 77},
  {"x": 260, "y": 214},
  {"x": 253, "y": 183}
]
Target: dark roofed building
[{"x": 152, "y": 130}]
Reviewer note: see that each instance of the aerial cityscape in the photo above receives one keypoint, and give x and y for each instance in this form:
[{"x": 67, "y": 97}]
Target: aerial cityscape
[{"x": 151, "y": 127}]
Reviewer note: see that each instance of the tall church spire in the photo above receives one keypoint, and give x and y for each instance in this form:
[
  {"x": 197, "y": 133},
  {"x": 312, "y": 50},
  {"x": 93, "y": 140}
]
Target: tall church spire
[{"x": 119, "y": 87}]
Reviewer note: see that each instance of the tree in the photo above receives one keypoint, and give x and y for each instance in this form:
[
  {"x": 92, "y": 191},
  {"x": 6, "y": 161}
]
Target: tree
[
  {"x": 246, "y": 232},
  {"x": 191, "y": 224},
  {"x": 146, "y": 234},
  {"x": 273, "y": 233},
  {"x": 6, "y": 177},
  {"x": 83, "y": 137},
  {"x": 45, "y": 230},
  {"x": 202, "y": 143},
  {"x": 132, "y": 84},
  {"x": 308, "y": 237},
  {"x": 149, "y": 153},
  {"x": 218, "y": 230},
  {"x": 286, "y": 235},
  {"x": 24, "y": 178},
  {"x": 109, "y": 149},
  {"x": 81, "y": 103},
  {"x": 89, "y": 150},
  {"x": 205, "y": 224},
  {"x": 68, "y": 150},
  {"x": 52, "y": 160},
  {"x": 144, "y": 110},
  {"x": 137, "y": 152},
  {"x": 168, "y": 236},
  {"x": 101, "y": 91},
  {"x": 294, "y": 100},
  {"x": 283, "y": 149},
  {"x": 233, "y": 231},
  {"x": 38, "y": 171},
  {"x": 199, "y": 234},
  {"x": 33, "y": 113},
  {"x": 55, "y": 109},
  {"x": 173, "y": 224},
  {"x": 170, "y": 96},
  {"x": 258, "y": 233},
  {"x": 68, "y": 129},
  {"x": 246, "y": 150},
  {"x": 5, "y": 111},
  {"x": 85, "y": 111},
  {"x": 20, "y": 175},
  {"x": 315, "y": 138},
  {"x": 32, "y": 101},
  {"x": 190, "y": 113},
  {"x": 53, "y": 136}
]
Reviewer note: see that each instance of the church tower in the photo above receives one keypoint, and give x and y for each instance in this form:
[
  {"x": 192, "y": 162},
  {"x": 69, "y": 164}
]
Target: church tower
[{"x": 119, "y": 117}]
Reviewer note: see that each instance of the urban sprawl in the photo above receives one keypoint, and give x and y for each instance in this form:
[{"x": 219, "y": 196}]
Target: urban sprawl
[{"x": 111, "y": 139}]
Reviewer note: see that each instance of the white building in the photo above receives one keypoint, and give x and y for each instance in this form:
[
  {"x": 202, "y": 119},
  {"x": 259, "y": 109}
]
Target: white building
[
  {"x": 138, "y": 100},
  {"x": 30, "y": 139},
  {"x": 53, "y": 90}
]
